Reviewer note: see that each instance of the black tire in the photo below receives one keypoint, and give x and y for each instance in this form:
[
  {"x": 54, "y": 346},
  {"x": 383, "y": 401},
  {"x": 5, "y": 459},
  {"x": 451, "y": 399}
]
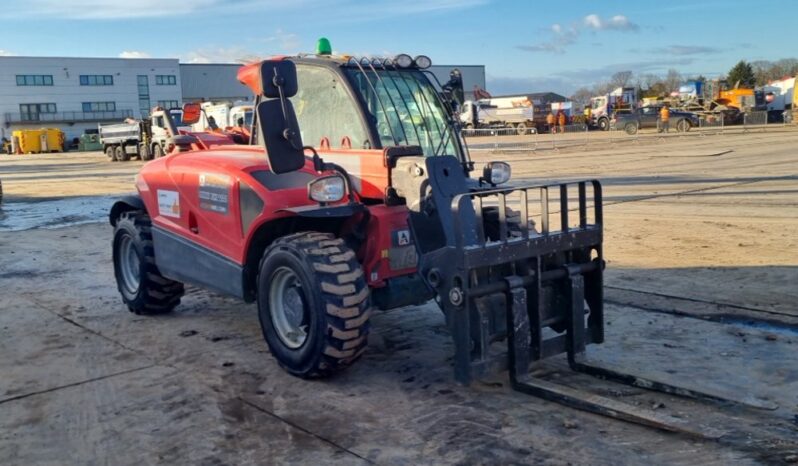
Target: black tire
[
  {"x": 335, "y": 303},
  {"x": 521, "y": 129},
  {"x": 604, "y": 124},
  {"x": 154, "y": 293},
  {"x": 157, "y": 152},
  {"x": 683, "y": 126},
  {"x": 121, "y": 154},
  {"x": 144, "y": 153},
  {"x": 109, "y": 151},
  {"x": 630, "y": 128},
  {"x": 1, "y": 191}
]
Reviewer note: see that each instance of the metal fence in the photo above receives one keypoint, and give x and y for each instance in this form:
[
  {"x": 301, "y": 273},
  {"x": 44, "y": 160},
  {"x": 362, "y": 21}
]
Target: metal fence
[
  {"x": 578, "y": 135},
  {"x": 570, "y": 136},
  {"x": 755, "y": 120},
  {"x": 501, "y": 139},
  {"x": 710, "y": 124}
]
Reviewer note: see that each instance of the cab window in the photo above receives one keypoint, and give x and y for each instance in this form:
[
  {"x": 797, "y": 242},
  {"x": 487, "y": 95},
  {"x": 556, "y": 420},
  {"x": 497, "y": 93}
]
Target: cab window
[{"x": 324, "y": 109}]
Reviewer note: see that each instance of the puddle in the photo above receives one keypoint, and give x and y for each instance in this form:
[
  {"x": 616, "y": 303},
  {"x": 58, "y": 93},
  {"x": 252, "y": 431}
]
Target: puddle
[
  {"x": 19, "y": 216},
  {"x": 784, "y": 330}
]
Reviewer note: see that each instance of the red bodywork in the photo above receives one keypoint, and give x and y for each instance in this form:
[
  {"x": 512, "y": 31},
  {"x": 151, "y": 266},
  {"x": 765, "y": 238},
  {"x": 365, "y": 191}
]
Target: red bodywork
[{"x": 180, "y": 177}]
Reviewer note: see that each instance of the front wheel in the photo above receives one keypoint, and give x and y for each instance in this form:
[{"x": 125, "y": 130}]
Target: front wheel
[
  {"x": 157, "y": 152},
  {"x": 144, "y": 290},
  {"x": 604, "y": 124},
  {"x": 630, "y": 128},
  {"x": 313, "y": 304}
]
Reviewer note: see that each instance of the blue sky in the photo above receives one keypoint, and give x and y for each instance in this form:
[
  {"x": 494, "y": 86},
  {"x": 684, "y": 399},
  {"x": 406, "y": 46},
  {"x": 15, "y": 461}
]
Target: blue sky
[{"x": 526, "y": 46}]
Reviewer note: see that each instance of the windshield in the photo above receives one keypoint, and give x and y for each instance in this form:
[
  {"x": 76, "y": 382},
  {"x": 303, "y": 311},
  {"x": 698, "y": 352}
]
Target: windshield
[
  {"x": 177, "y": 117},
  {"x": 405, "y": 109}
]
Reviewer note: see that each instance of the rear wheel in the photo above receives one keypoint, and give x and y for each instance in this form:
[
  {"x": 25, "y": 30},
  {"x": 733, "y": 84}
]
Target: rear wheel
[
  {"x": 521, "y": 129},
  {"x": 109, "y": 151},
  {"x": 630, "y": 128},
  {"x": 144, "y": 153},
  {"x": 144, "y": 290},
  {"x": 157, "y": 152},
  {"x": 313, "y": 304},
  {"x": 683, "y": 126},
  {"x": 121, "y": 154}
]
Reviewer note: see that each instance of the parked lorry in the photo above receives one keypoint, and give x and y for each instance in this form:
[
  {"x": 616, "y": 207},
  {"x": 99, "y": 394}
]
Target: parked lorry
[
  {"x": 231, "y": 118},
  {"x": 603, "y": 107},
  {"x": 507, "y": 112},
  {"x": 778, "y": 98},
  {"x": 648, "y": 117},
  {"x": 162, "y": 133}
]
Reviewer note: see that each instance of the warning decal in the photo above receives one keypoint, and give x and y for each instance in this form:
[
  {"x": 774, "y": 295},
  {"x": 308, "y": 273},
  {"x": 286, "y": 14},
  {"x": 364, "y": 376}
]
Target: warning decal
[
  {"x": 168, "y": 203},
  {"x": 214, "y": 192},
  {"x": 401, "y": 237}
]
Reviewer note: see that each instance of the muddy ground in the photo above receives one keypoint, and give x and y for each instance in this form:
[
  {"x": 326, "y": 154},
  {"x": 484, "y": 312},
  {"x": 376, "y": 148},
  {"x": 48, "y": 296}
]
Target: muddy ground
[{"x": 701, "y": 238}]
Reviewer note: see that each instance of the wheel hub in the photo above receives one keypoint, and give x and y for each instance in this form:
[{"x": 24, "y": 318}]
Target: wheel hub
[
  {"x": 130, "y": 264},
  {"x": 288, "y": 308}
]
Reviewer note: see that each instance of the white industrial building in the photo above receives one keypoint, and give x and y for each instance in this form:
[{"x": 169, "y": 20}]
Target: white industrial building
[{"x": 75, "y": 94}]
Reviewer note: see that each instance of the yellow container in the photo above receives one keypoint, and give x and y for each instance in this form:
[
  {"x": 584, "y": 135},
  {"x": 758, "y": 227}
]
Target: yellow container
[
  {"x": 36, "y": 141},
  {"x": 55, "y": 140},
  {"x": 28, "y": 141}
]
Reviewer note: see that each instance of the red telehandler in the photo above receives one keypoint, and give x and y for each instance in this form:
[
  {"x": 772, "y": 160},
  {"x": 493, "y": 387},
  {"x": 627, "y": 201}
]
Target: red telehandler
[{"x": 384, "y": 210}]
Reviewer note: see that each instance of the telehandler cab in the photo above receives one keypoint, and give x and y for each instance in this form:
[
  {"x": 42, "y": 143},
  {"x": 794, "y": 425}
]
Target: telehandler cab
[{"x": 380, "y": 213}]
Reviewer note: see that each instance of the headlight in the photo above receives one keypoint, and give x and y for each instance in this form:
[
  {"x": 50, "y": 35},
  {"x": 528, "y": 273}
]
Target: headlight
[
  {"x": 496, "y": 172},
  {"x": 326, "y": 189},
  {"x": 403, "y": 61},
  {"x": 423, "y": 62}
]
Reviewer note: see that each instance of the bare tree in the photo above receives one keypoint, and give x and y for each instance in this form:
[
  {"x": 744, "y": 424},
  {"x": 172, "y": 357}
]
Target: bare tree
[
  {"x": 581, "y": 96},
  {"x": 621, "y": 79},
  {"x": 672, "y": 80}
]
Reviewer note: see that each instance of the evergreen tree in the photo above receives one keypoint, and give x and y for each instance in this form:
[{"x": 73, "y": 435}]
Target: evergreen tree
[{"x": 743, "y": 73}]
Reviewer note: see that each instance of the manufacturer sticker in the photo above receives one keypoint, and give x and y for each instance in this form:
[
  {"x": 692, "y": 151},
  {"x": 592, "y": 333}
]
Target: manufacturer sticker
[
  {"x": 168, "y": 203},
  {"x": 402, "y": 258},
  {"x": 214, "y": 192},
  {"x": 401, "y": 238}
]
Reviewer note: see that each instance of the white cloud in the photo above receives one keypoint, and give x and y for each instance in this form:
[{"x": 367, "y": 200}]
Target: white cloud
[
  {"x": 615, "y": 23},
  {"x": 564, "y": 36},
  {"x": 285, "y": 41},
  {"x": 220, "y": 55},
  {"x": 134, "y": 54},
  {"x": 327, "y": 9},
  {"x": 6, "y": 53}
]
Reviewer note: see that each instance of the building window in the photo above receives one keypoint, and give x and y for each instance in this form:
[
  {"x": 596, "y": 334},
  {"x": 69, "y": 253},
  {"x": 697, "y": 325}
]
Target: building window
[
  {"x": 168, "y": 104},
  {"x": 165, "y": 80},
  {"x": 96, "y": 80},
  {"x": 34, "y": 80},
  {"x": 99, "y": 106},
  {"x": 31, "y": 112},
  {"x": 144, "y": 95}
]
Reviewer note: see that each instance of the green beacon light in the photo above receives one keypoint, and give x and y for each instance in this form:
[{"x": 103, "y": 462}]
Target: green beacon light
[{"x": 323, "y": 47}]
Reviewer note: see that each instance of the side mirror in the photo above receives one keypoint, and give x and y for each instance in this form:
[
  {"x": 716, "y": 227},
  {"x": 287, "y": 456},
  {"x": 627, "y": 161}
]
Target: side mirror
[
  {"x": 279, "y": 134},
  {"x": 191, "y": 113},
  {"x": 275, "y": 75}
]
